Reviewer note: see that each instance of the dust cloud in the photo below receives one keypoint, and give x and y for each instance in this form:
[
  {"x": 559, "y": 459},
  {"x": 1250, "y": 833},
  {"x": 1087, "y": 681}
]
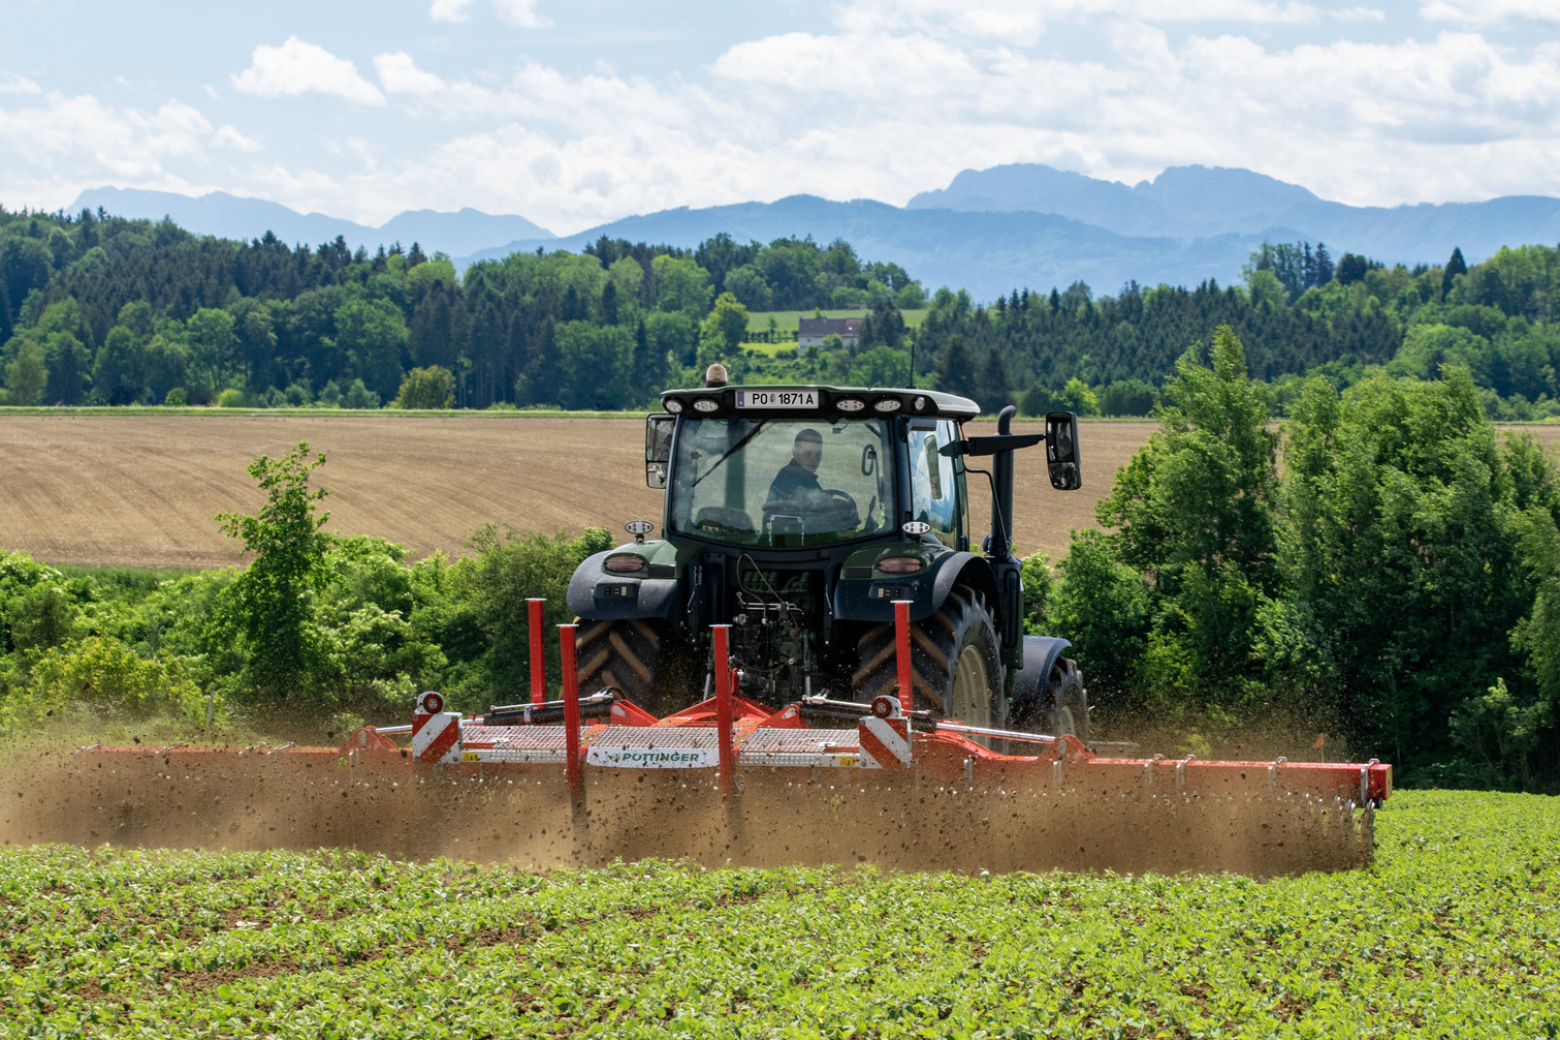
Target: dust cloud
[{"x": 525, "y": 816}]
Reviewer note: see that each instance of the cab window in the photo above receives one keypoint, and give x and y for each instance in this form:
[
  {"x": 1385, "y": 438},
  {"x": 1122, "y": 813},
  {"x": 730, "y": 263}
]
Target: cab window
[{"x": 934, "y": 492}]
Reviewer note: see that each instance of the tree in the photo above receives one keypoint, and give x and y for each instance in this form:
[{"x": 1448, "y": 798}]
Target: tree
[
  {"x": 1352, "y": 268},
  {"x": 1076, "y": 396},
  {"x": 681, "y": 285},
  {"x": 373, "y": 336},
  {"x": 954, "y": 373},
  {"x": 1403, "y": 521},
  {"x": 26, "y": 376},
  {"x": 1194, "y": 513},
  {"x": 213, "y": 358},
  {"x": 358, "y": 396},
  {"x": 727, "y": 322},
  {"x": 1454, "y": 267},
  {"x": 272, "y": 602},
  {"x": 427, "y": 388}
]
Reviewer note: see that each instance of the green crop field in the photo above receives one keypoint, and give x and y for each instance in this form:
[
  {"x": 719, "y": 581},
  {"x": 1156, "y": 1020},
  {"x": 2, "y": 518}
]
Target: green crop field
[{"x": 1453, "y": 932}]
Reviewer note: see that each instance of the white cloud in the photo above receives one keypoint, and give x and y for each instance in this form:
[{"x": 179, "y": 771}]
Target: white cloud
[
  {"x": 229, "y": 137},
  {"x": 881, "y": 113},
  {"x": 1358, "y": 14},
  {"x": 885, "y": 100},
  {"x": 449, "y": 10},
  {"x": 1022, "y": 22},
  {"x": 297, "y": 68},
  {"x": 1489, "y": 12},
  {"x": 11, "y": 83},
  {"x": 399, "y": 74},
  {"x": 71, "y": 142},
  {"x": 521, "y": 13}
]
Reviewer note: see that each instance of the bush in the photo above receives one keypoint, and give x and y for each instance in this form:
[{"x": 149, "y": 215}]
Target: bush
[
  {"x": 360, "y": 396},
  {"x": 427, "y": 388},
  {"x": 1128, "y": 397},
  {"x": 177, "y": 398},
  {"x": 510, "y": 568},
  {"x": 1037, "y": 400},
  {"x": 105, "y": 674},
  {"x": 230, "y": 398}
]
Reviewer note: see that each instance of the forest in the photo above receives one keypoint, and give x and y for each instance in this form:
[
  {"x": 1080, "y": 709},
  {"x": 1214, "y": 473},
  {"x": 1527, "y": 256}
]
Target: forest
[{"x": 99, "y": 310}]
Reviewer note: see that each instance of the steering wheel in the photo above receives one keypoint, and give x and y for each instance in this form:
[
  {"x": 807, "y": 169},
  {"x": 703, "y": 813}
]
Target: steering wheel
[{"x": 839, "y": 510}]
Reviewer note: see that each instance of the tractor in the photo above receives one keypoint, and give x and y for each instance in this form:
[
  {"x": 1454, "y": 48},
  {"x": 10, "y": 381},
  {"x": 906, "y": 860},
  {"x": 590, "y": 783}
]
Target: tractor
[{"x": 799, "y": 515}]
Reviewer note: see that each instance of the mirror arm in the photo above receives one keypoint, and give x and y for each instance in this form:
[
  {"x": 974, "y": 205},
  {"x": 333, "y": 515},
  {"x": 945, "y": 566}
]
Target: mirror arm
[{"x": 991, "y": 445}]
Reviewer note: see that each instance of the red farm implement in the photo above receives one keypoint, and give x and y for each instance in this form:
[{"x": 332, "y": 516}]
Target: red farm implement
[{"x": 593, "y": 777}]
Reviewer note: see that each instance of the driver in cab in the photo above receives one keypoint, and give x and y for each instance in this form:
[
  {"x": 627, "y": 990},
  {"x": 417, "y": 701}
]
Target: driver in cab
[
  {"x": 798, "y": 504},
  {"x": 797, "y": 480}
]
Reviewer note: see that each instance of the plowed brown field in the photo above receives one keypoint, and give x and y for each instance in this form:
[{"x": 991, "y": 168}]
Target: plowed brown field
[{"x": 142, "y": 491}]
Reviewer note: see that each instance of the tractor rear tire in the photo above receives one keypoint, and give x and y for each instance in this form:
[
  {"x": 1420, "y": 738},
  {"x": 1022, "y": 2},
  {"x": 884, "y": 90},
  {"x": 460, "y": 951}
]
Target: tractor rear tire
[
  {"x": 1067, "y": 707},
  {"x": 638, "y": 656},
  {"x": 955, "y": 666}
]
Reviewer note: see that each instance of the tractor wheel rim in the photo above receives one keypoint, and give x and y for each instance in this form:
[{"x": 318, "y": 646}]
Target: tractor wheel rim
[{"x": 971, "y": 690}]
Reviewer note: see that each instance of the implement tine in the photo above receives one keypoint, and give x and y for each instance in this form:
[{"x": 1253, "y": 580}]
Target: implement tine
[{"x": 1180, "y": 775}]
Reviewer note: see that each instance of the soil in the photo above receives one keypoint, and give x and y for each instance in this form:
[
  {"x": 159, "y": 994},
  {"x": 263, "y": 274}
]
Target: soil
[
  {"x": 524, "y": 816},
  {"x": 142, "y": 491}
]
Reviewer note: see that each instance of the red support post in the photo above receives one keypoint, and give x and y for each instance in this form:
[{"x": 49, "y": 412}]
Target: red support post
[
  {"x": 723, "y": 679},
  {"x": 538, "y": 660},
  {"x": 902, "y": 652},
  {"x": 571, "y": 713}
]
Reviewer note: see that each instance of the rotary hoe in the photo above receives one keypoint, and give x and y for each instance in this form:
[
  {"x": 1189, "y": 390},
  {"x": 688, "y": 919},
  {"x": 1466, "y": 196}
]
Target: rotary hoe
[{"x": 811, "y": 664}]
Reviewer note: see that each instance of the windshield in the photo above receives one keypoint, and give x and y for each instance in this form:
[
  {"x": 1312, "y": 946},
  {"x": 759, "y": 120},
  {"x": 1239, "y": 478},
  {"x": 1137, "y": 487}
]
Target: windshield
[{"x": 781, "y": 482}]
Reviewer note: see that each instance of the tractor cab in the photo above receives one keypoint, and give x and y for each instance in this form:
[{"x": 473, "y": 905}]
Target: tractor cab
[
  {"x": 827, "y": 477},
  {"x": 798, "y": 515}
]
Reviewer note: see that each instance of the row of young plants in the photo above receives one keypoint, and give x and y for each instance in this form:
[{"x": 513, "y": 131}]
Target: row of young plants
[{"x": 1452, "y": 931}]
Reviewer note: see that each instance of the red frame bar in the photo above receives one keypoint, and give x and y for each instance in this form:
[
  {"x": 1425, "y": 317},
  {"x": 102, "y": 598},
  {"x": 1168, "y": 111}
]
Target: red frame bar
[
  {"x": 538, "y": 660},
  {"x": 571, "y": 713},
  {"x": 723, "y": 682},
  {"x": 902, "y": 652}
]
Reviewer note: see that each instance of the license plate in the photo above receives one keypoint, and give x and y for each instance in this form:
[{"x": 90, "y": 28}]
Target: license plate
[{"x": 777, "y": 399}]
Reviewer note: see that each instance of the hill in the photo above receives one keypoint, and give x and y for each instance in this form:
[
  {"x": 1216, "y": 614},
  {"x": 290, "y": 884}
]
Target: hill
[
  {"x": 1022, "y": 225},
  {"x": 231, "y": 216},
  {"x": 1197, "y": 201},
  {"x": 987, "y": 253}
]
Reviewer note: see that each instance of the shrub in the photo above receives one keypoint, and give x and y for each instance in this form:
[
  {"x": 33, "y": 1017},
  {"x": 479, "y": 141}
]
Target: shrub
[
  {"x": 360, "y": 396},
  {"x": 510, "y": 568},
  {"x": 105, "y": 674},
  {"x": 230, "y": 398},
  {"x": 427, "y": 388},
  {"x": 177, "y": 398}
]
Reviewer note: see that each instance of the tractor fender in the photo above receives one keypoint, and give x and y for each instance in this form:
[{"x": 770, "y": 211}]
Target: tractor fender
[
  {"x": 1032, "y": 683},
  {"x": 600, "y": 595},
  {"x": 873, "y": 601}
]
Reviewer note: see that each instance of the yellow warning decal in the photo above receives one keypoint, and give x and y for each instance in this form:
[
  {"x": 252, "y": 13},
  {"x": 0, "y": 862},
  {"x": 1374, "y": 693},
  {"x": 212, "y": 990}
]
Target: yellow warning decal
[
  {"x": 847, "y": 760},
  {"x": 468, "y": 756}
]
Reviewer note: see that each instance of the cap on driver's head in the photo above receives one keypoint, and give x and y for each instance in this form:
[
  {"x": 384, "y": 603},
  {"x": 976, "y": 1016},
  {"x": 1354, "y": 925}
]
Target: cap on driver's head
[{"x": 809, "y": 435}]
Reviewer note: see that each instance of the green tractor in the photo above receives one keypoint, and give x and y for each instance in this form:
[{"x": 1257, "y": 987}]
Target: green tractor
[{"x": 798, "y": 515}]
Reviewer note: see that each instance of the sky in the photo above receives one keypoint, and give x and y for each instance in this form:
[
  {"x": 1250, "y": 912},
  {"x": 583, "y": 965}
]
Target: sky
[{"x": 575, "y": 112}]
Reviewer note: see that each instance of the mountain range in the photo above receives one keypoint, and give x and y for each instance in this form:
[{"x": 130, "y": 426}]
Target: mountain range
[
  {"x": 990, "y": 231},
  {"x": 234, "y": 216}
]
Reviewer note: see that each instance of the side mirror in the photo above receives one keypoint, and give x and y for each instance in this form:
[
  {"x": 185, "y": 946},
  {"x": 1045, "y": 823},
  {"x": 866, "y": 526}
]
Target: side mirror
[
  {"x": 658, "y": 448},
  {"x": 1061, "y": 451}
]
